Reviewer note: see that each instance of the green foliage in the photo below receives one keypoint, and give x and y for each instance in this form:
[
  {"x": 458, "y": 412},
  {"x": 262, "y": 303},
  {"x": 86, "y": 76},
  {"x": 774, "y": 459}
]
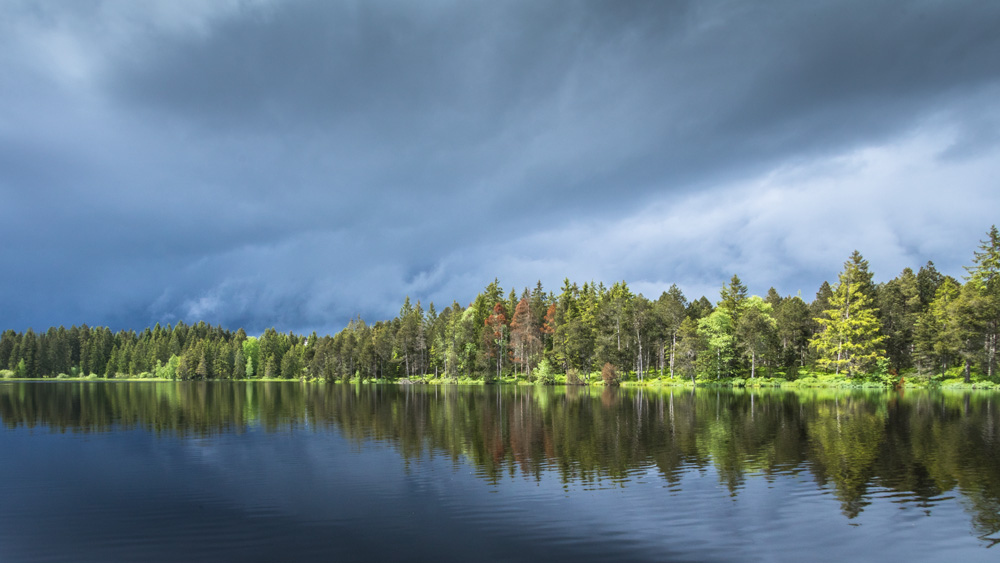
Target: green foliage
[
  {"x": 755, "y": 330},
  {"x": 543, "y": 373},
  {"x": 251, "y": 351},
  {"x": 883, "y": 374},
  {"x": 168, "y": 370},
  {"x": 717, "y": 330},
  {"x": 850, "y": 338},
  {"x": 926, "y": 324}
]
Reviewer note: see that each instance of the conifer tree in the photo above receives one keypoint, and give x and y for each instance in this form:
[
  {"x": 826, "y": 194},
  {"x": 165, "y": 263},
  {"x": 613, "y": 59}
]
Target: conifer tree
[
  {"x": 984, "y": 277},
  {"x": 524, "y": 335},
  {"x": 239, "y": 364},
  {"x": 938, "y": 330},
  {"x": 202, "y": 370},
  {"x": 496, "y": 332},
  {"x": 690, "y": 344},
  {"x": 850, "y": 338}
]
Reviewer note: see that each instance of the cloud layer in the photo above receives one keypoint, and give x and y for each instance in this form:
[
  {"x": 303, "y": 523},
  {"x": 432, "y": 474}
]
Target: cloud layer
[{"x": 298, "y": 163}]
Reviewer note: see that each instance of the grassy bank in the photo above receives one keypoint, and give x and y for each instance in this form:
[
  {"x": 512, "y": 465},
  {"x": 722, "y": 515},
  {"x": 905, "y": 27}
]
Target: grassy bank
[{"x": 803, "y": 379}]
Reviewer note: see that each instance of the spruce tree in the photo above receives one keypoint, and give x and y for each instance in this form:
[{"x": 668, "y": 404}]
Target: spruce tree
[
  {"x": 984, "y": 277},
  {"x": 850, "y": 337}
]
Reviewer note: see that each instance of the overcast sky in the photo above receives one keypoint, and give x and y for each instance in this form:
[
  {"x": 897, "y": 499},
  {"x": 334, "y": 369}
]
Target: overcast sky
[{"x": 297, "y": 163}]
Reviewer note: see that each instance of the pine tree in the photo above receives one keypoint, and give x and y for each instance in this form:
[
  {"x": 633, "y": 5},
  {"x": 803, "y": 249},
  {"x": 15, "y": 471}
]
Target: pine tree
[
  {"x": 937, "y": 334},
  {"x": 850, "y": 338},
  {"x": 239, "y": 364},
  {"x": 795, "y": 327},
  {"x": 271, "y": 368},
  {"x": 984, "y": 277},
  {"x": 524, "y": 335},
  {"x": 732, "y": 298},
  {"x": 689, "y": 346},
  {"x": 899, "y": 303},
  {"x": 202, "y": 370},
  {"x": 496, "y": 325},
  {"x": 928, "y": 281}
]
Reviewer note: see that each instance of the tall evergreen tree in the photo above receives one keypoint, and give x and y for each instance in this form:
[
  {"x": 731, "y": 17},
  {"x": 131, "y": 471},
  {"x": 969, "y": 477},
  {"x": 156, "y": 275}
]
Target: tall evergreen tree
[
  {"x": 850, "y": 338},
  {"x": 984, "y": 277},
  {"x": 899, "y": 304},
  {"x": 938, "y": 333}
]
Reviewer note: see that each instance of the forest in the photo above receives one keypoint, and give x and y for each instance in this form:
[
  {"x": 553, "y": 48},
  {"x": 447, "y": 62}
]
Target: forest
[{"x": 918, "y": 326}]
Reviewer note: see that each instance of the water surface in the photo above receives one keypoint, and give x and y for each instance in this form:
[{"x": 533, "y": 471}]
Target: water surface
[{"x": 96, "y": 471}]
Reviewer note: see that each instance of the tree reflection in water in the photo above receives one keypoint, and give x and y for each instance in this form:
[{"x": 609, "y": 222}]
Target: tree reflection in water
[{"x": 920, "y": 446}]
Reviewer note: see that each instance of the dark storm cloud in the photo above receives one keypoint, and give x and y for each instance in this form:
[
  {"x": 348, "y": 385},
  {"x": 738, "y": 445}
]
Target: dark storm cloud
[{"x": 298, "y": 163}]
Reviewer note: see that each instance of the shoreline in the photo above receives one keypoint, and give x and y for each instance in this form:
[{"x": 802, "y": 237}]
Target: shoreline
[{"x": 651, "y": 383}]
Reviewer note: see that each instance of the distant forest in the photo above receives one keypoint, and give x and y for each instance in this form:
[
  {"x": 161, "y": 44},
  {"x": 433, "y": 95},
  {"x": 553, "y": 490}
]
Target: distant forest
[{"x": 922, "y": 323}]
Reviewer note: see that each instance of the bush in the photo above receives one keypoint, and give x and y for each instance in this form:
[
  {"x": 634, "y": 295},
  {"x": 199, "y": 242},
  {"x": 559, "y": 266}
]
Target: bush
[
  {"x": 6, "y": 374},
  {"x": 62, "y": 376},
  {"x": 609, "y": 374},
  {"x": 543, "y": 373},
  {"x": 883, "y": 374}
]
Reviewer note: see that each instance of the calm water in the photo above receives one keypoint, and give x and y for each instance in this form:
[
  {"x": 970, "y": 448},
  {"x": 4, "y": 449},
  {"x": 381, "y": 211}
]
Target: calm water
[{"x": 101, "y": 471}]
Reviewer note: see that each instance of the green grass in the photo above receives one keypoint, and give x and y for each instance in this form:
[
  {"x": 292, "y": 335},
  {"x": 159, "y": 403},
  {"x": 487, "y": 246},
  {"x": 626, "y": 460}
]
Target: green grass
[{"x": 802, "y": 379}]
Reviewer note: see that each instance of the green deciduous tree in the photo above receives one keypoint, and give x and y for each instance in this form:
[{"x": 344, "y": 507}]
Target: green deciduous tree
[
  {"x": 717, "y": 330},
  {"x": 671, "y": 309},
  {"x": 755, "y": 330}
]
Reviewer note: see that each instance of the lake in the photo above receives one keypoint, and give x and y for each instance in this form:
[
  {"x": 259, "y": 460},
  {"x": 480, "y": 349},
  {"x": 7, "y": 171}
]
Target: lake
[{"x": 203, "y": 471}]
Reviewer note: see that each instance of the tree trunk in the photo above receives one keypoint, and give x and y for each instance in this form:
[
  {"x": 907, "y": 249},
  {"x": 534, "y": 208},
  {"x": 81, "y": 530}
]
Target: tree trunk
[
  {"x": 638, "y": 339},
  {"x": 673, "y": 345}
]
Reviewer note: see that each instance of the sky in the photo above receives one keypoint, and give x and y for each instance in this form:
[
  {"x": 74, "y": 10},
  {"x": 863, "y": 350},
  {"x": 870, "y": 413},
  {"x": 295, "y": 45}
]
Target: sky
[{"x": 298, "y": 163}]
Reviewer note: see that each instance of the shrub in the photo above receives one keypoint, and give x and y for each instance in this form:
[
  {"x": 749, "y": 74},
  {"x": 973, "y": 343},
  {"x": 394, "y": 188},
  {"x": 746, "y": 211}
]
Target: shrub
[
  {"x": 609, "y": 374},
  {"x": 6, "y": 374},
  {"x": 543, "y": 373},
  {"x": 883, "y": 374}
]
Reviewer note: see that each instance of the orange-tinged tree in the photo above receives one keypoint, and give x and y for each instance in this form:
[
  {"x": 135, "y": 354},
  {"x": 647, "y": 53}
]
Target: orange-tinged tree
[
  {"x": 497, "y": 329},
  {"x": 524, "y": 335}
]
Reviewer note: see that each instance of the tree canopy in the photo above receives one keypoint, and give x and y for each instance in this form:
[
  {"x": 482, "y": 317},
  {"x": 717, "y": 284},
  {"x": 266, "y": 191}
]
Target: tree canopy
[{"x": 923, "y": 322}]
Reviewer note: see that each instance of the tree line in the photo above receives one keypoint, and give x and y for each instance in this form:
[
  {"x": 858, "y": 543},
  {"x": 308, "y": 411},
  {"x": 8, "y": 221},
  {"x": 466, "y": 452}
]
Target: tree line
[{"x": 921, "y": 322}]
